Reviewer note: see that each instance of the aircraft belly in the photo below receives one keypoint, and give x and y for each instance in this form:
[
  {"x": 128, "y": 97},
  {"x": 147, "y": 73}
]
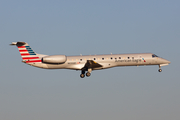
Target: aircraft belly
[
  {"x": 65, "y": 66},
  {"x": 39, "y": 65},
  {"x": 75, "y": 66}
]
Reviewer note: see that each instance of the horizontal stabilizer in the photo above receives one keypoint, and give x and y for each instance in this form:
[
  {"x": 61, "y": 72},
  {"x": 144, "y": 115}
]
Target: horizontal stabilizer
[{"x": 18, "y": 43}]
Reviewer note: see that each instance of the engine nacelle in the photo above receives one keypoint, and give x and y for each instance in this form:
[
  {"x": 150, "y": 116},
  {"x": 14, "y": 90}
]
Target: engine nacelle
[{"x": 56, "y": 59}]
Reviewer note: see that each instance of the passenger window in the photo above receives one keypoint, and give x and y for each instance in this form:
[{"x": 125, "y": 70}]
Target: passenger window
[
  {"x": 102, "y": 58},
  {"x": 119, "y": 57},
  {"x": 94, "y": 58},
  {"x": 111, "y": 58},
  {"x": 80, "y": 59},
  {"x": 128, "y": 57},
  {"x": 132, "y": 57},
  {"x": 115, "y": 58}
]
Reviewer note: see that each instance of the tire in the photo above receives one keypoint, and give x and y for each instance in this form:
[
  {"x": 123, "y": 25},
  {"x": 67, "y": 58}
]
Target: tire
[
  {"x": 160, "y": 70},
  {"x": 82, "y": 75},
  {"x": 88, "y": 74}
]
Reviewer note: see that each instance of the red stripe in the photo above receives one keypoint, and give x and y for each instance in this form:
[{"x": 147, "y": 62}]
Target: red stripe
[
  {"x": 26, "y": 58},
  {"x": 23, "y": 51},
  {"x": 33, "y": 61},
  {"x": 21, "y": 46},
  {"x": 24, "y": 54}
]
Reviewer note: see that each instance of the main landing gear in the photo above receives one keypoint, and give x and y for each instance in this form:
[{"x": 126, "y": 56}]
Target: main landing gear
[
  {"x": 88, "y": 74},
  {"x": 160, "y": 70},
  {"x": 82, "y": 75}
]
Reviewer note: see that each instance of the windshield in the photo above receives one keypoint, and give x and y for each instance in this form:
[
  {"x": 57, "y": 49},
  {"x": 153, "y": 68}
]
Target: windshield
[{"x": 154, "y": 55}]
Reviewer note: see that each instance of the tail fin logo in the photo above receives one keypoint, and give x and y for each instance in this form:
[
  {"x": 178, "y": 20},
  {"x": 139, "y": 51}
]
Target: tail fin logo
[
  {"x": 26, "y": 50},
  {"x": 27, "y": 54}
]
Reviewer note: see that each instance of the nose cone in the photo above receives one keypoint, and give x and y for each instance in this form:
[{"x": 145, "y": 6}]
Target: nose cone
[
  {"x": 164, "y": 61},
  {"x": 168, "y": 61}
]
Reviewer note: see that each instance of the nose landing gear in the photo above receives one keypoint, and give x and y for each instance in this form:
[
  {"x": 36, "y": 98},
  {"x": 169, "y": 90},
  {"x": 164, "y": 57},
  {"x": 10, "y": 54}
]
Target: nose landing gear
[{"x": 160, "y": 70}]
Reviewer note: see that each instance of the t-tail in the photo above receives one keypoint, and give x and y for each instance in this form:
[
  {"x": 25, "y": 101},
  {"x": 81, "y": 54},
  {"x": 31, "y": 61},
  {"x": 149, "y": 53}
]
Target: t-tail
[{"x": 27, "y": 54}]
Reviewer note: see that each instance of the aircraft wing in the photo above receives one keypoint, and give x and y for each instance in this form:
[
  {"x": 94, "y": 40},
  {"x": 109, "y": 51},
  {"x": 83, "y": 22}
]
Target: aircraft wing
[{"x": 91, "y": 64}]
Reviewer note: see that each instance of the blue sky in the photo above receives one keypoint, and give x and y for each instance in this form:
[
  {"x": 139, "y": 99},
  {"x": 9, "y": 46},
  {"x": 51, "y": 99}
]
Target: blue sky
[{"x": 90, "y": 27}]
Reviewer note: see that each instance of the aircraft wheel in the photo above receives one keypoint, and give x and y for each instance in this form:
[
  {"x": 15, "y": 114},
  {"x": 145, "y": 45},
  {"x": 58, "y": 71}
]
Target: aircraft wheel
[
  {"x": 88, "y": 74},
  {"x": 160, "y": 70},
  {"x": 82, "y": 75}
]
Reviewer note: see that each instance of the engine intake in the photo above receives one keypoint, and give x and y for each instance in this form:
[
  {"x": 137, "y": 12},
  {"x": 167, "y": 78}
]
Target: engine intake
[{"x": 54, "y": 59}]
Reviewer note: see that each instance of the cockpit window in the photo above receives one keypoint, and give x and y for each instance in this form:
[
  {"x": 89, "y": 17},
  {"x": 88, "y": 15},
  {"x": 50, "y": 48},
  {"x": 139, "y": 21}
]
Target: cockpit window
[{"x": 154, "y": 55}]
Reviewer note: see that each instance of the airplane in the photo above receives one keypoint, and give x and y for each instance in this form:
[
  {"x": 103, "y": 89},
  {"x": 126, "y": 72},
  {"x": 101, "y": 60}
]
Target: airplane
[{"x": 87, "y": 63}]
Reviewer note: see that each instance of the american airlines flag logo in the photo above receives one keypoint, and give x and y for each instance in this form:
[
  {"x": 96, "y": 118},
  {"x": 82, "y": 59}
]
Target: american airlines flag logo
[
  {"x": 28, "y": 55},
  {"x": 144, "y": 59}
]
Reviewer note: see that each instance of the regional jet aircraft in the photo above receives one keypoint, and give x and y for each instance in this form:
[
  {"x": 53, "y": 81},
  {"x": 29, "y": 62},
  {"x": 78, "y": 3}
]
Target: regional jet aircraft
[{"x": 87, "y": 63}]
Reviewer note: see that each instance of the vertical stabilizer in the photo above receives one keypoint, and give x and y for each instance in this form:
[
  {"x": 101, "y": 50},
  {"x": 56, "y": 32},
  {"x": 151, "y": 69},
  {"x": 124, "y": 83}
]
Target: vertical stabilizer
[{"x": 27, "y": 54}]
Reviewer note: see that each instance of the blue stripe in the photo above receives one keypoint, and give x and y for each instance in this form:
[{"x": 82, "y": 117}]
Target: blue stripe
[
  {"x": 32, "y": 54},
  {"x": 28, "y": 48}
]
